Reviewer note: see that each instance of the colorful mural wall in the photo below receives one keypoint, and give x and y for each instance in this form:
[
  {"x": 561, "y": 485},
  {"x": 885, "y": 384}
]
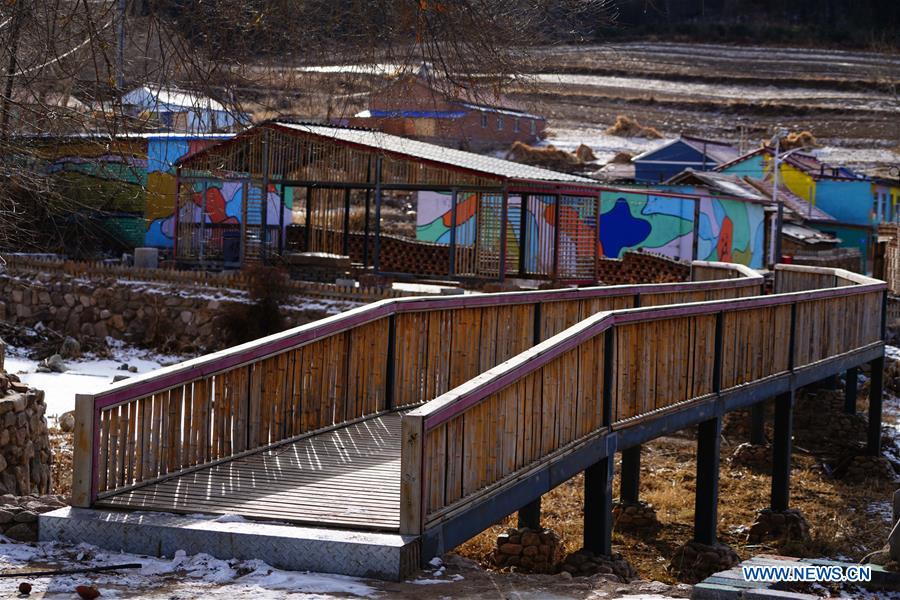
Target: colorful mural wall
[
  {"x": 728, "y": 230},
  {"x": 131, "y": 182}
]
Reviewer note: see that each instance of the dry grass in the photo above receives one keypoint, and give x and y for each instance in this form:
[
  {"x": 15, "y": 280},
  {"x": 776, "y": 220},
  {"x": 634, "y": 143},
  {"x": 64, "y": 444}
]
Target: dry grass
[
  {"x": 798, "y": 139},
  {"x": 550, "y": 157},
  {"x": 630, "y": 127},
  {"x": 840, "y": 523},
  {"x": 61, "y": 467}
]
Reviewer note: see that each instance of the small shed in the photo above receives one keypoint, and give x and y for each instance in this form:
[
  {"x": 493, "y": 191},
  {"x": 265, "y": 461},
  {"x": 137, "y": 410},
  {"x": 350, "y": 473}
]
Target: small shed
[{"x": 673, "y": 157}]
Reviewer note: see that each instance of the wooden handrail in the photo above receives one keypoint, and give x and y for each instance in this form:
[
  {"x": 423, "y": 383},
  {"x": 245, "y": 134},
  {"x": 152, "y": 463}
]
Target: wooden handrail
[
  {"x": 737, "y": 333},
  {"x": 386, "y": 355}
]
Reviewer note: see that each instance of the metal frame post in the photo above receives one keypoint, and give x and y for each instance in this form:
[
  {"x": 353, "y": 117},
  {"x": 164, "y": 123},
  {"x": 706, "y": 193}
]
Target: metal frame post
[
  {"x": 706, "y": 501},
  {"x": 597, "y": 206},
  {"x": 245, "y": 194},
  {"x": 630, "y": 478},
  {"x": 177, "y": 215},
  {"x": 345, "y": 246},
  {"x": 523, "y": 228},
  {"x": 781, "y": 451},
  {"x": 875, "y": 392},
  {"x": 695, "y": 234},
  {"x": 504, "y": 215},
  {"x": 376, "y": 259},
  {"x": 758, "y": 424},
  {"x": 202, "y": 248},
  {"x": 598, "y": 507},
  {"x": 264, "y": 213},
  {"x": 555, "y": 272},
  {"x": 851, "y": 390},
  {"x": 530, "y": 515},
  {"x": 308, "y": 241},
  {"x": 454, "y": 195},
  {"x": 366, "y": 229},
  {"x": 281, "y": 220}
]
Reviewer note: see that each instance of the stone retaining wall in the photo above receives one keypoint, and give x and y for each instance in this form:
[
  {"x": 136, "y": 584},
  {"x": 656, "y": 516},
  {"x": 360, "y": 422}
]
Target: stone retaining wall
[
  {"x": 24, "y": 441},
  {"x": 166, "y": 316}
]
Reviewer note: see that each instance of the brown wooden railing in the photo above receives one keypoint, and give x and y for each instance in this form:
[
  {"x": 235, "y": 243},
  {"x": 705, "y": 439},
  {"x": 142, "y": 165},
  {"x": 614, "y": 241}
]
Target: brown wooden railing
[
  {"x": 612, "y": 370},
  {"x": 381, "y": 357}
]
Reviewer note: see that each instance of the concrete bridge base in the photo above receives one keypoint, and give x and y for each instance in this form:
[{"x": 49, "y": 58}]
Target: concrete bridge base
[{"x": 361, "y": 554}]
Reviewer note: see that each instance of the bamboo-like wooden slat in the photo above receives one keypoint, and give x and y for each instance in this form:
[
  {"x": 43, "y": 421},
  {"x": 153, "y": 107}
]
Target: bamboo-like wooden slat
[{"x": 344, "y": 374}]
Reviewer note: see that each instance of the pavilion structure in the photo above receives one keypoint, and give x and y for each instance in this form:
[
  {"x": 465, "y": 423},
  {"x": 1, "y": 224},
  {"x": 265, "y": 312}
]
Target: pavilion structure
[{"x": 503, "y": 219}]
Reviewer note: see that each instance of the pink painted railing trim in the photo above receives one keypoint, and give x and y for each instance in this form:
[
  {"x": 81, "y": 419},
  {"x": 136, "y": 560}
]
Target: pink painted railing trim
[
  {"x": 459, "y": 399},
  {"x": 168, "y": 377}
]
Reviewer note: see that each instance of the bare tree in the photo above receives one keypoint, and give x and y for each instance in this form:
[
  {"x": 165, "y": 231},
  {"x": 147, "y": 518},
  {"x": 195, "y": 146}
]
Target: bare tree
[{"x": 64, "y": 68}]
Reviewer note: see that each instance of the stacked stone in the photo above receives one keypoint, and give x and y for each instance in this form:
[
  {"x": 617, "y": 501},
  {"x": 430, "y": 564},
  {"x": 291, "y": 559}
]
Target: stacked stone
[
  {"x": 19, "y": 514},
  {"x": 788, "y": 527},
  {"x": 693, "y": 562},
  {"x": 892, "y": 375},
  {"x": 24, "y": 440},
  {"x": 866, "y": 467},
  {"x": 586, "y": 563},
  {"x": 821, "y": 424},
  {"x": 754, "y": 456},
  {"x": 167, "y": 316},
  {"x": 638, "y": 518},
  {"x": 528, "y": 550}
]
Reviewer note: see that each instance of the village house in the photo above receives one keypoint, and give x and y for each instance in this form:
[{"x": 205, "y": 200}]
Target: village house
[
  {"x": 801, "y": 242},
  {"x": 685, "y": 152},
  {"x": 172, "y": 109},
  {"x": 857, "y": 203},
  {"x": 413, "y": 106}
]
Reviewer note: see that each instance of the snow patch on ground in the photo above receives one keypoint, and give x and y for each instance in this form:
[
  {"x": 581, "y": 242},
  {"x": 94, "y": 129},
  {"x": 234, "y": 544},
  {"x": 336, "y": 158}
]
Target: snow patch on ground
[
  {"x": 86, "y": 375},
  {"x": 182, "y": 576},
  {"x": 604, "y": 146}
]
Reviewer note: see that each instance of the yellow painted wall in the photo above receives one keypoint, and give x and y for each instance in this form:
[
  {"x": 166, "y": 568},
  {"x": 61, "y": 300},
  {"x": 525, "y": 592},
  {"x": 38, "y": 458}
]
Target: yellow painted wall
[{"x": 794, "y": 179}]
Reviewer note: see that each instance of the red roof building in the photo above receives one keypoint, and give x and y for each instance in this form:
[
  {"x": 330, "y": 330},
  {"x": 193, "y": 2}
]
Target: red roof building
[{"x": 412, "y": 106}]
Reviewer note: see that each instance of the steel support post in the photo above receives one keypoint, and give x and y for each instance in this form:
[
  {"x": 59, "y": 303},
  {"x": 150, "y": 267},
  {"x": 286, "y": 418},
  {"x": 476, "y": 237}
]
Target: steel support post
[
  {"x": 630, "y": 479},
  {"x": 706, "y": 502},
  {"x": 598, "y": 507},
  {"x": 781, "y": 451}
]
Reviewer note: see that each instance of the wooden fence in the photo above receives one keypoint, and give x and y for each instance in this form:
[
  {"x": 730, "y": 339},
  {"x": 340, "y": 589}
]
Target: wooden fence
[
  {"x": 376, "y": 358},
  {"x": 615, "y": 368}
]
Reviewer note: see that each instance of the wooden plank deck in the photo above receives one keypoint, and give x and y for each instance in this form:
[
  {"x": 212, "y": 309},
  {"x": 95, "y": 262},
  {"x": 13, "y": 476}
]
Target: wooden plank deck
[{"x": 348, "y": 477}]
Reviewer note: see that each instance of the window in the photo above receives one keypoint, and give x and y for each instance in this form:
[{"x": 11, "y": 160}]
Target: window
[
  {"x": 533, "y": 127},
  {"x": 516, "y": 125},
  {"x": 500, "y": 123},
  {"x": 484, "y": 121}
]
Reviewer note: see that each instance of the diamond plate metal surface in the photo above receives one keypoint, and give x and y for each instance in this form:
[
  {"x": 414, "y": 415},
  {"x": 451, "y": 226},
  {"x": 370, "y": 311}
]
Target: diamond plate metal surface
[{"x": 382, "y": 556}]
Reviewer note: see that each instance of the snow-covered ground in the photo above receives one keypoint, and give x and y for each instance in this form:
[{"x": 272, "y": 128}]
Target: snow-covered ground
[
  {"x": 85, "y": 375},
  {"x": 198, "y": 576}
]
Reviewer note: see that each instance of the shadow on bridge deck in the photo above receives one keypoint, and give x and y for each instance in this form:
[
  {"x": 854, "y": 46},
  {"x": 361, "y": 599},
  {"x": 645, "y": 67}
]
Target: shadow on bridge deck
[{"x": 348, "y": 477}]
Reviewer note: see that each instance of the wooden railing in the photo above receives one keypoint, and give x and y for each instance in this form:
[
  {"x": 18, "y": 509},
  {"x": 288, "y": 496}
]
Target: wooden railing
[
  {"x": 376, "y": 358},
  {"x": 798, "y": 278},
  {"x": 611, "y": 370}
]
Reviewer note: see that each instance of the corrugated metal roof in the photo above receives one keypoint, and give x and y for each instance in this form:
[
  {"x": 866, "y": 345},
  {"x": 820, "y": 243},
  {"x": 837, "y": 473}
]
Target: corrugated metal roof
[
  {"x": 793, "y": 202},
  {"x": 721, "y": 152},
  {"x": 808, "y": 235},
  {"x": 718, "y": 152},
  {"x": 414, "y": 149}
]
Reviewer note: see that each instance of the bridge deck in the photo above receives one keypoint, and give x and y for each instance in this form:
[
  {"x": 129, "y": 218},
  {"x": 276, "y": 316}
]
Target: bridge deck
[{"x": 347, "y": 477}]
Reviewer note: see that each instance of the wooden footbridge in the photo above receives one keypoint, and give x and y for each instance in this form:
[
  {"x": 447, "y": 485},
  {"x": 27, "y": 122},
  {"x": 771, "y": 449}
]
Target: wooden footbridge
[{"x": 429, "y": 419}]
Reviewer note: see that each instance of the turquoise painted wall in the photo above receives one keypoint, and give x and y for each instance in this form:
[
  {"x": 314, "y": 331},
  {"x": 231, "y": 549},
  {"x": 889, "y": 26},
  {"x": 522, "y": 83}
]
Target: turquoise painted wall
[
  {"x": 753, "y": 167},
  {"x": 846, "y": 201}
]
